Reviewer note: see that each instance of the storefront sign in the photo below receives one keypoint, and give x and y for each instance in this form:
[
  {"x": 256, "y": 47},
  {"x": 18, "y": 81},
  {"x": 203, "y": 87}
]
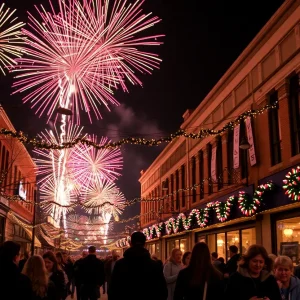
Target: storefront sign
[
  {"x": 213, "y": 164},
  {"x": 236, "y": 147},
  {"x": 251, "y": 150}
]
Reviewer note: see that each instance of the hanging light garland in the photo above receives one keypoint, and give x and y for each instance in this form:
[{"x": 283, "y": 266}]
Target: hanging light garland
[
  {"x": 37, "y": 142},
  {"x": 247, "y": 205}
]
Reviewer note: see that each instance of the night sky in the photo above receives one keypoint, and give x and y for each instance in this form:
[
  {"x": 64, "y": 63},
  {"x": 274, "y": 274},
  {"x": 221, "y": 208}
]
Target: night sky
[{"x": 203, "y": 38}]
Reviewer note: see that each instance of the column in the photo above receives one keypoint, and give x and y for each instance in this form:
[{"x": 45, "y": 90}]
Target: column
[{"x": 206, "y": 171}]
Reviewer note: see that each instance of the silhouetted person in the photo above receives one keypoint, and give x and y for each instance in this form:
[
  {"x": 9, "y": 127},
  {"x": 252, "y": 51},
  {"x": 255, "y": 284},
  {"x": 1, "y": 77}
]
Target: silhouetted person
[
  {"x": 13, "y": 284},
  {"x": 132, "y": 274},
  {"x": 22, "y": 262},
  {"x": 91, "y": 273},
  {"x": 77, "y": 274},
  {"x": 232, "y": 263}
]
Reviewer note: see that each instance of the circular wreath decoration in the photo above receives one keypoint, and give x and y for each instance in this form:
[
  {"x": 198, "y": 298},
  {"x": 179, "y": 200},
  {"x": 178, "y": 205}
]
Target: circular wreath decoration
[
  {"x": 262, "y": 189},
  {"x": 169, "y": 226},
  {"x": 292, "y": 184},
  {"x": 159, "y": 229},
  {"x": 183, "y": 220},
  {"x": 203, "y": 217},
  {"x": 223, "y": 209},
  {"x": 247, "y": 205}
]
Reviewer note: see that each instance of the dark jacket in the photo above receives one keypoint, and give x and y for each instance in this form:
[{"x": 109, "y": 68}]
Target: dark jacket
[
  {"x": 91, "y": 271},
  {"x": 133, "y": 275},
  {"x": 232, "y": 264},
  {"x": 294, "y": 291},
  {"x": 297, "y": 271},
  {"x": 241, "y": 286},
  {"x": 76, "y": 269},
  {"x": 108, "y": 270},
  {"x": 22, "y": 263},
  {"x": 13, "y": 284},
  {"x": 184, "y": 291},
  {"x": 58, "y": 280}
]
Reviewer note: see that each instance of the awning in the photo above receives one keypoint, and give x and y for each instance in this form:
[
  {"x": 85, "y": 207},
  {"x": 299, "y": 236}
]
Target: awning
[{"x": 37, "y": 243}]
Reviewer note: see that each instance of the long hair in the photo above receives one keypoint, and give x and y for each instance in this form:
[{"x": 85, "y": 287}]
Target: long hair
[
  {"x": 184, "y": 257},
  {"x": 253, "y": 251},
  {"x": 50, "y": 255},
  {"x": 200, "y": 266},
  {"x": 36, "y": 271}
]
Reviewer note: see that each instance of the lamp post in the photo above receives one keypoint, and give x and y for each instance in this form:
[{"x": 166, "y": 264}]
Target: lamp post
[
  {"x": 34, "y": 220},
  {"x": 245, "y": 146}
]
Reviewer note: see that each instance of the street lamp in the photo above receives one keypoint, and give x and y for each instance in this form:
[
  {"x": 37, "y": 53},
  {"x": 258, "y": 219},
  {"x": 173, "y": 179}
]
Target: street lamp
[{"x": 245, "y": 146}]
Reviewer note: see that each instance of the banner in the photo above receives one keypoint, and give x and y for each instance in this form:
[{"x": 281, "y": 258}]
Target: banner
[
  {"x": 251, "y": 150},
  {"x": 213, "y": 169},
  {"x": 236, "y": 147}
]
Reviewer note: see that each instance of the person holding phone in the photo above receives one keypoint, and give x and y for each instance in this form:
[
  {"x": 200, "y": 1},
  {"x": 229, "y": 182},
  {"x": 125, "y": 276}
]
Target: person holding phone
[{"x": 253, "y": 279}]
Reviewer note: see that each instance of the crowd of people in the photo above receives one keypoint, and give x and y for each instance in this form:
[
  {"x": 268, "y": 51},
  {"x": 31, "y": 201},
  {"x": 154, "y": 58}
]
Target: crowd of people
[{"x": 193, "y": 275}]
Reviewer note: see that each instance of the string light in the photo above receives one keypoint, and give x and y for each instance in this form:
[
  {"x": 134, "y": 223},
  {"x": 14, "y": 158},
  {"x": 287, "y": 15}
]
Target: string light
[
  {"x": 223, "y": 209},
  {"x": 37, "y": 142}
]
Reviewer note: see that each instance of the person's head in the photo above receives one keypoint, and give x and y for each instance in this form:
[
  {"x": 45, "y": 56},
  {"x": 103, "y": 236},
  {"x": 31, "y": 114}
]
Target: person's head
[
  {"x": 176, "y": 256},
  {"x": 186, "y": 258},
  {"x": 255, "y": 259},
  {"x": 233, "y": 250},
  {"x": 214, "y": 256},
  {"x": 201, "y": 265},
  {"x": 138, "y": 239},
  {"x": 50, "y": 261},
  {"x": 283, "y": 269},
  {"x": 65, "y": 256},
  {"x": 84, "y": 254},
  {"x": 26, "y": 254},
  {"x": 35, "y": 270},
  {"x": 59, "y": 257},
  {"x": 92, "y": 250},
  {"x": 222, "y": 260},
  {"x": 10, "y": 252},
  {"x": 115, "y": 255}
]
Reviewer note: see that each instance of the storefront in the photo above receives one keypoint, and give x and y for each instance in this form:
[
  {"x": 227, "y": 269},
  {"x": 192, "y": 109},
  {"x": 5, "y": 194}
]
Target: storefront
[
  {"x": 178, "y": 242},
  {"x": 219, "y": 240},
  {"x": 154, "y": 248}
]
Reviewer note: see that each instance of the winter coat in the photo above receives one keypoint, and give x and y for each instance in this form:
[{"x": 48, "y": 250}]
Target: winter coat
[
  {"x": 91, "y": 271},
  {"x": 171, "y": 271},
  {"x": 58, "y": 280},
  {"x": 184, "y": 291},
  {"x": 136, "y": 276},
  {"x": 232, "y": 264},
  {"x": 241, "y": 286},
  {"x": 294, "y": 291},
  {"x": 13, "y": 284},
  {"x": 297, "y": 271}
]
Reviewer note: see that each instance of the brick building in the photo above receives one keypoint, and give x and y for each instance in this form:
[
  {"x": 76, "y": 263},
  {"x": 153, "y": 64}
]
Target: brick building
[
  {"x": 18, "y": 178},
  {"x": 266, "y": 73}
]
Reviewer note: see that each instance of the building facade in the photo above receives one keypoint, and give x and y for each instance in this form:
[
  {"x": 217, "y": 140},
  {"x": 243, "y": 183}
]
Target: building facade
[
  {"x": 18, "y": 180},
  {"x": 227, "y": 186}
]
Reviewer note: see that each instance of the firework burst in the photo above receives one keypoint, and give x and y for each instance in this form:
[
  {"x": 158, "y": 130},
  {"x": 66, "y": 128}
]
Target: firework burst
[
  {"x": 11, "y": 42},
  {"x": 82, "y": 53},
  {"x": 89, "y": 164}
]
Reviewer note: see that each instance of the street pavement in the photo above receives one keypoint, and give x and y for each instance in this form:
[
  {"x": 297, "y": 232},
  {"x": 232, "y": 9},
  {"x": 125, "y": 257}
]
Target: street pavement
[{"x": 103, "y": 297}]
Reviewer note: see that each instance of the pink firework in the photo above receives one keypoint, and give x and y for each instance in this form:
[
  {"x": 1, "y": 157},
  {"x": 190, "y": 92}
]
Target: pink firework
[
  {"x": 89, "y": 164},
  {"x": 77, "y": 56}
]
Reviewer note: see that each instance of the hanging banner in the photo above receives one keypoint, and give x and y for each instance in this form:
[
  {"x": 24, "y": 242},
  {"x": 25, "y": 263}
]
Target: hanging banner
[
  {"x": 251, "y": 150},
  {"x": 213, "y": 169},
  {"x": 236, "y": 147}
]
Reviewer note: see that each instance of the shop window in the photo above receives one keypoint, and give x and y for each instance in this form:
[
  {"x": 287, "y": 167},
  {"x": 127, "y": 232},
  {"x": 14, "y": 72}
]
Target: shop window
[
  {"x": 221, "y": 245},
  {"x": 157, "y": 250},
  {"x": 211, "y": 242},
  {"x": 183, "y": 245},
  {"x": 178, "y": 244},
  {"x": 201, "y": 239},
  {"x": 294, "y": 109},
  {"x": 288, "y": 238},
  {"x": 233, "y": 239},
  {"x": 248, "y": 239},
  {"x": 274, "y": 130}
]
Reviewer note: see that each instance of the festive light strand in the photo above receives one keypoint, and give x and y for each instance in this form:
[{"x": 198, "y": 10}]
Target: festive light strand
[{"x": 37, "y": 142}]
